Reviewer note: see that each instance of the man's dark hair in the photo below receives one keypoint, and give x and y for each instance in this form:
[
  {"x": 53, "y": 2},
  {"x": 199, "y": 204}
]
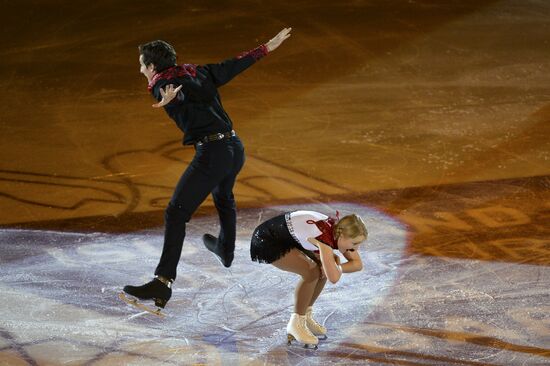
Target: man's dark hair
[{"x": 159, "y": 53}]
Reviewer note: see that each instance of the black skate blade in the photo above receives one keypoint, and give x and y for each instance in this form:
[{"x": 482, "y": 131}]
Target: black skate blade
[{"x": 135, "y": 303}]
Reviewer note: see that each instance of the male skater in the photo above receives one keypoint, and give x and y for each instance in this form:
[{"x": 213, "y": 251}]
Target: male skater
[{"x": 189, "y": 95}]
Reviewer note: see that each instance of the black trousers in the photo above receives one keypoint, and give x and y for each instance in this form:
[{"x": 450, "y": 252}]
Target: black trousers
[{"x": 213, "y": 169}]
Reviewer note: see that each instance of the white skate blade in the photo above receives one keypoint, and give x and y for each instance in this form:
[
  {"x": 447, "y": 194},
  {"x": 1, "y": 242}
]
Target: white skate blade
[
  {"x": 220, "y": 260},
  {"x": 290, "y": 338},
  {"x": 134, "y": 302}
]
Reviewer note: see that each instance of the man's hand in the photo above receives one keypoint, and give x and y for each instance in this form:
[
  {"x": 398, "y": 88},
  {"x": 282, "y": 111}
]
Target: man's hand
[
  {"x": 167, "y": 95},
  {"x": 278, "y": 39}
]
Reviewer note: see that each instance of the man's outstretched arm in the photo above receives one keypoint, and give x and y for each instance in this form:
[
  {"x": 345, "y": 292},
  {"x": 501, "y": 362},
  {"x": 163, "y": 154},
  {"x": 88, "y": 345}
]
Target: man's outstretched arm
[{"x": 224, "y": 71}]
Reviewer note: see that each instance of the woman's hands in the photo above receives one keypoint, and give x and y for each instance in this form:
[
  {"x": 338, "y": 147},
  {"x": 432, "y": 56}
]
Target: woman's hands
[
  {"x": 167, "y": 94},
  {"x": 354, "y": 262},
  {"x": 278, "y": 39}
]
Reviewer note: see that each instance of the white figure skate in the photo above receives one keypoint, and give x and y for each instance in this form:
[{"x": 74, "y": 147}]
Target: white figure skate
[
  {"x": 296, "y": 329},
  {"x": 312, "y": 324}
]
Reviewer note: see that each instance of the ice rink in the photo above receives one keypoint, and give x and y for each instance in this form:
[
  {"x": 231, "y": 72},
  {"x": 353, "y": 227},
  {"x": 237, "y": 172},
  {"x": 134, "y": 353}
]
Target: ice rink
[{"x": 430, "y": 119}]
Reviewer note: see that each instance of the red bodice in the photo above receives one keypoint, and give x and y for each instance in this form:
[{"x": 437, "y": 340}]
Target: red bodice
[{"x": 327, "y": 230}]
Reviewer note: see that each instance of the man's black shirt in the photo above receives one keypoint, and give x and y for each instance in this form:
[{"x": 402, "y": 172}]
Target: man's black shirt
[{"x": 197, "y": 109}]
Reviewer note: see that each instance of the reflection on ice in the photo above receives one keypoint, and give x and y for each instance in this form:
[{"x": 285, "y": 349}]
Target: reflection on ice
[{"x": 61, "y": 305}]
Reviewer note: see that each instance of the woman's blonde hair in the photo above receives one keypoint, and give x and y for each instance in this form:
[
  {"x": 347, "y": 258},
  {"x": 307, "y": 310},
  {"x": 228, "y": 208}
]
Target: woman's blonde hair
[{"x": 351, "y": 226}]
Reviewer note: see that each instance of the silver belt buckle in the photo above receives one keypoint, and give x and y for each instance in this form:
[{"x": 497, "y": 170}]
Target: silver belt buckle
[{"x": 220, "y": 136}]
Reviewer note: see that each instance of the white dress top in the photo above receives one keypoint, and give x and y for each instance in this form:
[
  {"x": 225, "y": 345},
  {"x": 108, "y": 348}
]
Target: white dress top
[{"x": 299, "y": 228}]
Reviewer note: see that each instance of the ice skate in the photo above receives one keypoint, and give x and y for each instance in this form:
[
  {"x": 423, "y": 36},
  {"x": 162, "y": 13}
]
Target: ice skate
[
  {"x": 211, "y": 243},
  {"x": 296, "y": 329},
  {"x": 134, "y": 302},
  {"x": 155, "y": 290},
  {"x": 314, "y": 326}
]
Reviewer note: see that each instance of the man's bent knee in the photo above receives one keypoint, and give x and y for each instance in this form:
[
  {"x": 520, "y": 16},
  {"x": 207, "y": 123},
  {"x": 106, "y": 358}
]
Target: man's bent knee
[
  {"x": 224, "y": 201},
  {"x": 176, "y": 212}
]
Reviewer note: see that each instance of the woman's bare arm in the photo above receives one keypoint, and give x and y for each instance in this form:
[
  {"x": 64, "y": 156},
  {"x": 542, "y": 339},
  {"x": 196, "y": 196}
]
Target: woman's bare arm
[
  {"x": 354, "y": 263},
  {"x": 333, "y": 271}
]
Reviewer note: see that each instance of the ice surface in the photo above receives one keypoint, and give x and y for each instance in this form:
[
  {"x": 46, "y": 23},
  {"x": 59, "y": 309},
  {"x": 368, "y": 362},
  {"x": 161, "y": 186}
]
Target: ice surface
[{"x": 60, "y": 306}]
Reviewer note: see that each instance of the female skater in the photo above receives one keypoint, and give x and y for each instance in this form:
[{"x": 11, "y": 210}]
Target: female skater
[{"x": 302, "y": 242}]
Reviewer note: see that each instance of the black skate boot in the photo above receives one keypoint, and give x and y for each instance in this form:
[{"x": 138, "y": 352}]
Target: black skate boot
[
  {"x": 155, "y": 290},
  {"x": 211, "y": 243}
]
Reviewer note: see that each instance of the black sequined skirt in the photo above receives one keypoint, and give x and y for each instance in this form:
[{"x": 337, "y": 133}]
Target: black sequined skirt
[{"x": 272, "y": 240}]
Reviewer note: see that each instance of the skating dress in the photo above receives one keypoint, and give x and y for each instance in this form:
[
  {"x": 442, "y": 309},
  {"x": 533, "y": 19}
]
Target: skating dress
[{"x": 277, "y": 236}]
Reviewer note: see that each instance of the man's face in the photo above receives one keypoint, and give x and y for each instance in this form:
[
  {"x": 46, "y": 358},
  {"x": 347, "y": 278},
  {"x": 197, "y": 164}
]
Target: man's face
[{"x": 148, "y": 71}]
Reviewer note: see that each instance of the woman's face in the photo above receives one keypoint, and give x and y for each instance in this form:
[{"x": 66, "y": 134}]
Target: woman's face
[{"x": 345, "y": 243}]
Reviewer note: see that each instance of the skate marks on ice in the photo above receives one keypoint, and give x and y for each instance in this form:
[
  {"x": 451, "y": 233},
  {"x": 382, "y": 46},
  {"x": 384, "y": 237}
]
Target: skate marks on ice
[
  {"x": 473, "y": 284},
  {"x": 60, "y": 303},
  {"x": 61, "y": 292},
  {"x": 136, "y": 181},
  {"x": 497, "y": 220},
  {"x": 454, "y": 312}
]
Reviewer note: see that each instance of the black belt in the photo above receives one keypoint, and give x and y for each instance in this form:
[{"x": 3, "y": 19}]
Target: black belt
[{"x": 215, "y": 137}]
